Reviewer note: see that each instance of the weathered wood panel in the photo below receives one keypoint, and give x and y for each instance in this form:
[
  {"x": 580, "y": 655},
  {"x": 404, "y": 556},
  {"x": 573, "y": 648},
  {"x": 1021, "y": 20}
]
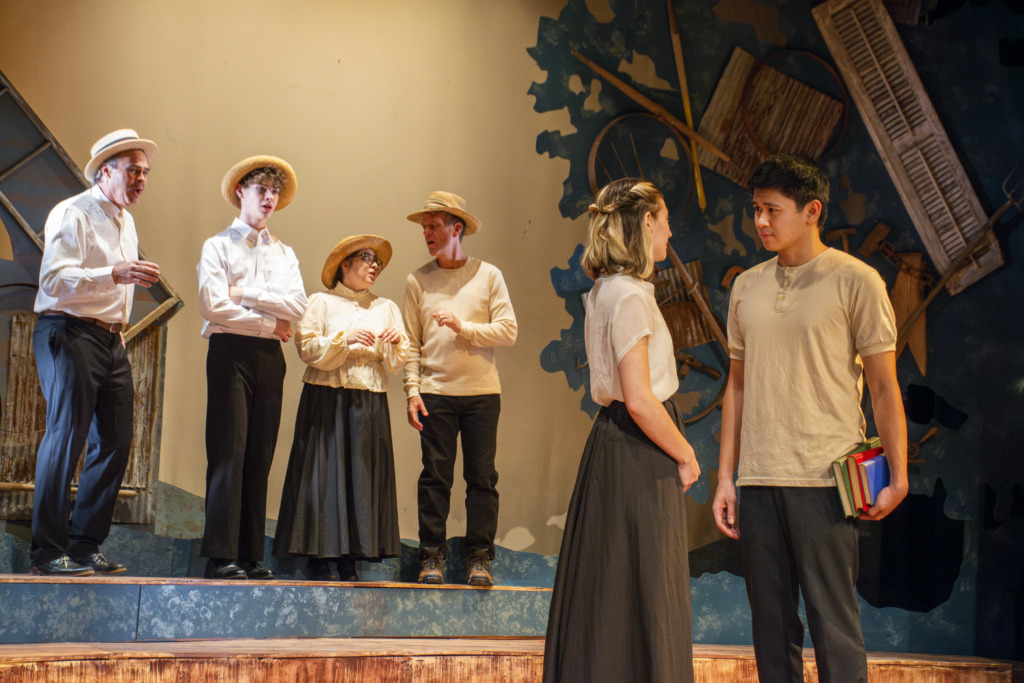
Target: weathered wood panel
[
  {"x": 419, "y": 660},
  {"x": 24, "y": 423},
  {"x": 785, "y": 114},
  {"x": 909, "y": 136},
  {"x": 686, "y": 323}
]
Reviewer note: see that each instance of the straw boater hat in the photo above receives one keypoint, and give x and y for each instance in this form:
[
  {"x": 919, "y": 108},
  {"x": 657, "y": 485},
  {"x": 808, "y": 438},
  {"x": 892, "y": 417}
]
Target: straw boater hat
[
  {"x": 113, "y": 144},
  {"x": 351, "y": 245},
  {"x": 239, "y": 170},
  {"x": 448, "y": 203}
]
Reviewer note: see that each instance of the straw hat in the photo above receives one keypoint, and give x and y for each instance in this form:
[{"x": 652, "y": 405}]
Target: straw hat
[
  {"x": 448, "y": 203},
  {"x": 113, "y": 144},
  {"x": 239, "y": 170},
  {"x": 351, "y": 245}
]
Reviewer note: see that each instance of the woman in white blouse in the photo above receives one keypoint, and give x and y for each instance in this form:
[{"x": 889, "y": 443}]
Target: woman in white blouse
[
  {"x": 620, "y": 609},
  {"x": 339, "y": 502}
]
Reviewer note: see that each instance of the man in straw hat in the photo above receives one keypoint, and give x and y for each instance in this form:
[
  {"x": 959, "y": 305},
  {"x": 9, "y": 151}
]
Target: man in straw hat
[
  {"x": 250, "y": 291},
  {"x": 456, "y": 310},
  {"x": 87, "y": 280}
]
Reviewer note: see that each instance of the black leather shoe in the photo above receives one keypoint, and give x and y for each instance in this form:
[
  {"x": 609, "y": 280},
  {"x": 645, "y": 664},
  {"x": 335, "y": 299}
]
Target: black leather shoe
[
  {"x": 223, "y": 569},
  {"x": 61, "y": 566},
  {"x": 100, "y": 564},
  {"x": 347, "y": 569},
  {"x": 317, "y": 569},
  {"x": 254, "y": 571}
]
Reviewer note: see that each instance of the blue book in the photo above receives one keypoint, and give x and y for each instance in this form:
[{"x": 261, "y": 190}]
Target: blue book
[{"x": 875, "y": 476}]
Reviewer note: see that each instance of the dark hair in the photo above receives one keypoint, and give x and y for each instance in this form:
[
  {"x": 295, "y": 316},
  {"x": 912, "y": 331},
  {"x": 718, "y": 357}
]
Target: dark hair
[
  {"x": 793, "y": 177},
  {"x": 112, "y": 162},
  {"x": 270, "y": 176}
]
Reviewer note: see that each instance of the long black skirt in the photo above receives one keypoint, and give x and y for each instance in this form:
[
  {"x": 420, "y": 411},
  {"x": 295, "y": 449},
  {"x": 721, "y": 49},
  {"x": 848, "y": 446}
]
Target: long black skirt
[
  {"x": 339, "y": 493},
  {"x": 620, "y": 610}
]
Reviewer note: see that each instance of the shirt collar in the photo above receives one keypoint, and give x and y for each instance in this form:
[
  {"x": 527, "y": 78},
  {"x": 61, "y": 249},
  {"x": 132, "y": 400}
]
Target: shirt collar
[
  {"x": 250, "y": 234},
  {"x": 349, "y": 293},
  {"x": 110, "y": 208}
]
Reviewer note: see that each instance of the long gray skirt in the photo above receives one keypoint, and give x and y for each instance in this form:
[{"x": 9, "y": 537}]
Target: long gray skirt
[
  {"x": 620, "y": 610},
  {"x": 339, "y": 492}
]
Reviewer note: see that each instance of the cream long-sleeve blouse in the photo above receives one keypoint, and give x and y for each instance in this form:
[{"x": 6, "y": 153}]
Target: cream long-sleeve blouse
[{"x": 323, "y": 335}]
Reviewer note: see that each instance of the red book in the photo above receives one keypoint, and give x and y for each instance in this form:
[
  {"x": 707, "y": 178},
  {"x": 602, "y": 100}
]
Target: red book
[{"x": 859, "y": 489}]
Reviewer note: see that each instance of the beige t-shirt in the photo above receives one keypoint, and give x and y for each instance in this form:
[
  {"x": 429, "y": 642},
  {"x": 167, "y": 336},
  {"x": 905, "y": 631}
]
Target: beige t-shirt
[
  {"x": 463, "y": 364},
  {"x": 801, "y": 333},
  {"x": 621, "y": 311}
]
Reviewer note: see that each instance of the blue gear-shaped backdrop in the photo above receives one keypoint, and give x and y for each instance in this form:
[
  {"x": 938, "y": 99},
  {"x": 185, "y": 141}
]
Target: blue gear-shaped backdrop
[{"x": 969, "y": 60}]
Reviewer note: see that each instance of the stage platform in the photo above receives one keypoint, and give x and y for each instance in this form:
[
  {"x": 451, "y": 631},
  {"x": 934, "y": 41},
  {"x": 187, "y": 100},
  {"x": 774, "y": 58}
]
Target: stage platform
[
  {"x": 412, "y": 660},
  {"x": 122, "y": 608},
  {"x": 130, "y": 628}
]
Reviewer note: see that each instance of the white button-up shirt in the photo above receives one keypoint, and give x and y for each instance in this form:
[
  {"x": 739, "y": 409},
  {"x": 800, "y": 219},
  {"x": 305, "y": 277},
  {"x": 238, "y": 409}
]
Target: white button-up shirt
[
  {"x": 268, "y": 273},
  {"x": 85, "y": 237}
]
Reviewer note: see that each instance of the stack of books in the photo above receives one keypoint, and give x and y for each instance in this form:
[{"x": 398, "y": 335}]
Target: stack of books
[{"x": 860, "y": 475}]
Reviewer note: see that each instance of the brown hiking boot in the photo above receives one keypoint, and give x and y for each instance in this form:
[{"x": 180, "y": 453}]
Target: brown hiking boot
[
  {"x": 478, "y": 565},
  {"x": 431, "y": 567}
]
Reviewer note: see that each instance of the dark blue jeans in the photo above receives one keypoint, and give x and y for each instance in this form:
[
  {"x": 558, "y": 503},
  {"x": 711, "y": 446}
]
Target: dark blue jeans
[
  {"x": 796, "y": 540},
  {"x": 475, "y": 418},
  {"x": 87, "y": 382}
]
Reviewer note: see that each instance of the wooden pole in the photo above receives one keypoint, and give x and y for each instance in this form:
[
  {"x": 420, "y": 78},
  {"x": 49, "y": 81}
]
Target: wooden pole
[
  {"x": 650, "y": 105},
  {"x": 684, "y": 90}
]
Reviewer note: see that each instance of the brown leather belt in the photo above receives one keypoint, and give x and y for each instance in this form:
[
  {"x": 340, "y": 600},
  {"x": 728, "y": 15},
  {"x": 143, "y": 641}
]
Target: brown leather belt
[{"x": 110, "y": 327}]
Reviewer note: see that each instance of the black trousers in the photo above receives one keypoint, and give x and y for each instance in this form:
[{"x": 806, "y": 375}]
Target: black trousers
[
  {"x": 476, "y": 419},
  {"x": 244, "y": 383},
  {"x": 796, "y": 540},
  {"x": 87, "y": 382}
]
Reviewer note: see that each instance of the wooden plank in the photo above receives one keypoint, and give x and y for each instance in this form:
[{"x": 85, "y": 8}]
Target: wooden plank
[
  {"x": 413, "y": 659},
  {"x": 787, "y": 116},
  {"x": 126, "y": 579},
  {"x": 907, "y": 293}
]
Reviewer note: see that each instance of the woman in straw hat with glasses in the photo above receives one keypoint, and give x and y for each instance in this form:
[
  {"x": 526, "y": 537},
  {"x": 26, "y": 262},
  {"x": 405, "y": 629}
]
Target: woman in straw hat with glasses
[
  {"x": 620, "y": 609},
  {"x": 339, "y": 502}
]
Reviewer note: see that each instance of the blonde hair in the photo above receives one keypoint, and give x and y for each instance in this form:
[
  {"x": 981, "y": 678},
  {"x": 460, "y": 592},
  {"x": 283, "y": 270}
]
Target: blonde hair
[{"x": 618, "y": 242}]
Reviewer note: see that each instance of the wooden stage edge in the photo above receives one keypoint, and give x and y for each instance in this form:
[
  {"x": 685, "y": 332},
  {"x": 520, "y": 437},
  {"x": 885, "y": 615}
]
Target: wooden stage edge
[{"x": 423, "y": 660}]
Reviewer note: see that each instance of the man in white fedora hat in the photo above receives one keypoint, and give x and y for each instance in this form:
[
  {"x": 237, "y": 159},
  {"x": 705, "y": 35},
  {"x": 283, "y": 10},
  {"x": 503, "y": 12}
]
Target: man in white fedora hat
[
  {"x": 457, "y": 310},
  {"x": 87, "y": 279},
  {"x": 250, "y": 292}
]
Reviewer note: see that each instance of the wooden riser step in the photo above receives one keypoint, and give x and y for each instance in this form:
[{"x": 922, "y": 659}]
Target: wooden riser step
[
  {"x": 128, "y": 609},
  {"x": 419, "y": 660}
]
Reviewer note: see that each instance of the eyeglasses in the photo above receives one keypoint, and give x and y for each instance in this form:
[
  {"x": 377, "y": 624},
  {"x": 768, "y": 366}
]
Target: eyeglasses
[{"x": 370, "y": 259}]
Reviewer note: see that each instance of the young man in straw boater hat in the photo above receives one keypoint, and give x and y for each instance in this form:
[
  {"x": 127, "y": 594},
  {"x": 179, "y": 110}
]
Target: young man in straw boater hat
[
  {"x": 457, "y": 310},
  {"x": 87, "y": 281},
  {"x": 250, "y": 291}
]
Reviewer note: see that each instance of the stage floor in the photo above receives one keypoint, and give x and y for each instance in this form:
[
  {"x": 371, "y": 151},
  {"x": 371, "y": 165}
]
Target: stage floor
[
  {"x": 125, "y": 628},
  {"x": 419, "y": 660}
]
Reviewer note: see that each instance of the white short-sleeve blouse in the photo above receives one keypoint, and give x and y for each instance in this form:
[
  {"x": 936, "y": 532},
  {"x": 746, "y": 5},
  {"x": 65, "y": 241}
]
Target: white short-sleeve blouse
[{"x": 621, "y": 310}]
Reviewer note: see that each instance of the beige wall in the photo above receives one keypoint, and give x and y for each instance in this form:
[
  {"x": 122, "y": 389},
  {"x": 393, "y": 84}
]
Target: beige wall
[{"x": 375, "y": 104}]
